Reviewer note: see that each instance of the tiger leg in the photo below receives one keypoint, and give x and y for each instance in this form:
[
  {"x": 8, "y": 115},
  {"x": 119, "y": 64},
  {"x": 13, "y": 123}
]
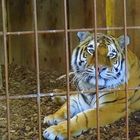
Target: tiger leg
[
  {"x": 76, "y": 106},
  {"x": 85, "y": 120}
]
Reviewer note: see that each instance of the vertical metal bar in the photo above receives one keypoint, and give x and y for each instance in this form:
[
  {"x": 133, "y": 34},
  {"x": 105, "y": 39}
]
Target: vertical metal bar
[
  {"x": 37, "y": 65},
  {"x": 96, "y": 67},
  {"x": 6, "y": 65},
  {"x": 126, "y": 64},
  {"x": 67, "y": 68}
]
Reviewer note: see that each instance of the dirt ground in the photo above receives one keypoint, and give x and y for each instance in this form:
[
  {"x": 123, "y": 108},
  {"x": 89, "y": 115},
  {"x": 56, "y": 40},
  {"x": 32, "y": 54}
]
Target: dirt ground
[{"x": 24, "y": 112}]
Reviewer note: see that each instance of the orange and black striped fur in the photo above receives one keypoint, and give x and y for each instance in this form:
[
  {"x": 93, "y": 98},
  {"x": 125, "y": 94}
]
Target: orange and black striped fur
[{"x": 111, "y": 74}]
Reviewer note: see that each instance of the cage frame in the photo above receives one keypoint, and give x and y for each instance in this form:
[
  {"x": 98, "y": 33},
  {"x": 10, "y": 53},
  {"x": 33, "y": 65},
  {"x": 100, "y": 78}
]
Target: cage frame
[{"x": 66, "y": 30}]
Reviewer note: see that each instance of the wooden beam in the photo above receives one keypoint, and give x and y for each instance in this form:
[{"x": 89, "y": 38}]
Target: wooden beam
[
  {"x": 110, "y": 15},
  {"x": 1, "y": 81}
]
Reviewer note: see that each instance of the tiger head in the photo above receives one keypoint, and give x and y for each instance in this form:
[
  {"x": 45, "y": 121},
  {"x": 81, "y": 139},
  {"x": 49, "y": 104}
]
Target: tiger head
[{"x": 111, "y": 61}]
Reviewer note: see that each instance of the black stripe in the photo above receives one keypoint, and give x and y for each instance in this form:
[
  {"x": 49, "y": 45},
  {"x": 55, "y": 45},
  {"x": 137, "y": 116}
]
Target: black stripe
[
  {"x": 103, "y": 95},
  {"x": 85, "y": 99},
  {"x": 134, "y": 94},
  {"x": 76, "y": 55},
  {"x": 76, "y": 118},
  {"x": 76, "y": 104},
  {"x": 120, "y": 62},
  {"x": 86, "y": 119},
  {"x": 92, "y": 95},
  {"x": 135, "y": 90},
  {"x": 80, "y": 102},
  {"x": 113, "y": 101},
  {"x": 81, "y": 52},
  {"x": 131, "y": 98},
  {"x": 132, "y": 65},
  {"x": 89, "y": 78},
  {"x": 136, "y": 100}
]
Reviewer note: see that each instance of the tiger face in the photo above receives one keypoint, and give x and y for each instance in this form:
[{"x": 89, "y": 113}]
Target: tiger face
[{"x": 111, "y": 61}]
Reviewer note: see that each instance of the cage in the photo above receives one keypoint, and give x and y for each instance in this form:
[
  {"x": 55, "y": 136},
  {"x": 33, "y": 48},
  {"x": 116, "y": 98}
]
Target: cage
[{"x": 37, "y": 38}]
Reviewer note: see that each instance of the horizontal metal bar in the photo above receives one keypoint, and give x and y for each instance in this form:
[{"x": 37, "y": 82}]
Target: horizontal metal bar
[
  {"x": 69, "y": 30},
  {"x": 51, "y": 94}
]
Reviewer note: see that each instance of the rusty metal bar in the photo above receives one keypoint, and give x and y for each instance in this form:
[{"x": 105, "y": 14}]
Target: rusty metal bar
[
  {"x": 37, "y": 66},
  {"x": 6, "y": 65},
  {"x": 96, "y": 71},
  {"x": 69, "y": 30},
  {"x": 126, "y": 70},
  {"x": 67, "y": 68},
  {"x": 52, "y": 94}
]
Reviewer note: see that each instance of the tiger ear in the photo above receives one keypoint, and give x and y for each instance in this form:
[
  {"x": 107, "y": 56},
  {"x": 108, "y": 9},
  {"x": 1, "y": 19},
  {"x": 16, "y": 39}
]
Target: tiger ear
[
  {"x": 122, "y": 40},
  {"x": 82, "y": 35}
]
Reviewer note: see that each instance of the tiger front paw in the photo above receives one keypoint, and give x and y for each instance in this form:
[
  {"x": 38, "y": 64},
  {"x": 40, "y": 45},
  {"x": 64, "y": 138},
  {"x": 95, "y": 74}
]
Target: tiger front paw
[
  {"x": 56, "y": 132},
  {"x": 52, "y": 120}
]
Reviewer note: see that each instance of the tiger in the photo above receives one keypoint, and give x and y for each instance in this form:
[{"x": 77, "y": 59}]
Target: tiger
[{"x": 114, "y": 71}]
